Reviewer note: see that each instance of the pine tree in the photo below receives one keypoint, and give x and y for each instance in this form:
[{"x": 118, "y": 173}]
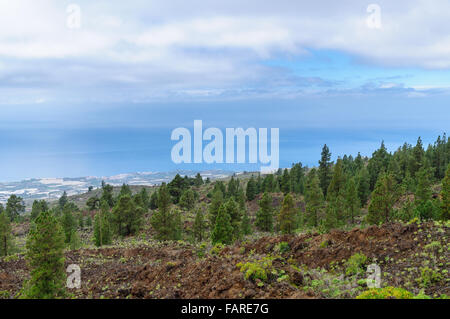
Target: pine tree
[
  {"x": 216, "y": 202},
  {"x": 125, "y": 190},
  {"x": 234, "y": 212},
  {"x": 127, "y": 217},
  {"x": 334, "y": 214},
  {"x": 89, "y": 221},
  {"x": 352, "y": 201},
  {"x": 187, "y": 199},
  {"x": 246, "y": 227},
  {"x": 384, "y": 196},
  {"x": 338, "y": 181},
  {"x": 163, "y": 220},
  {"x": 233, "y": 186},
  {"x": 423, "y": 189},
  {"x": 313, "y": 198},
  {"x": 177, "y": 225},
  {"x": 199, "y": 226},
  {"x": 45, "y": 257},
  {"x": 154, "y": 200},
  {"x": 102, "y": 227},
  {"x": 417, "y": 159},
  {"x": 297, "y": 178},
  {"x": 63, "y": 200},
  {"x": 286, "y": 217},
  {"x": 92, "y": 203},
  {"x": 445, "y": 194},
  {"x": 223, "y": 231},
  {"x": 38, "y": 207},
  {"x": 68, "y": 224},
  {"x": 378, "y": 164},
  {"x": 144, "y": 198},
  {"x": 5, "y": 235},
  {"x": 264, "y": 216},
  {"x": 176, "y": 187},
  {"x": 198, "y": 180},
  {"x": 251, "y": 189},
  {"x": 325, "y": 173},
  {"x": 14, "y": 207},
  {"x": 363, "y": 186},
  {"x": 107, "y": 194},
  {"x": 285, "y": 182}
]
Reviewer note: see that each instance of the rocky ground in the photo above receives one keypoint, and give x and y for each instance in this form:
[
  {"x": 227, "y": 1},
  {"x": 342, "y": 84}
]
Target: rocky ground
[{"x": 308, "y": 265}]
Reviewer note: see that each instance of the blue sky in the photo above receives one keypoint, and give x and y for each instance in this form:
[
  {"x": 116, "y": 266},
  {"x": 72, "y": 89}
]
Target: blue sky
[{"x": 101, "y": 96}]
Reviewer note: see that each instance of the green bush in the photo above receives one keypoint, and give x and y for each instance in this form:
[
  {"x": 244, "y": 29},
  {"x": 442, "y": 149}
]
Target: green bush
[
  {"x": 282, "y": 247},
  {"x": 217, "y": 248},
  {"x": 355, "y": 264},
  {"x": 386, "y": 293},
  {"x": 428, "y": 276},
  {"x": 260, "y": 269}
]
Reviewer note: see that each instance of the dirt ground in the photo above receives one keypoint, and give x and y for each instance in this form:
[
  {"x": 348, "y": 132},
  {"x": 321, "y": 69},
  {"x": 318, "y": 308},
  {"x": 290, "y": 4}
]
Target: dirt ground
[{"x": 149, "y": 269}]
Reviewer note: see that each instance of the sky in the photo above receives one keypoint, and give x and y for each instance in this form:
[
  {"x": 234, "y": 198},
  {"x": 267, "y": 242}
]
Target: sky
[{"x": 96, "y": 88}]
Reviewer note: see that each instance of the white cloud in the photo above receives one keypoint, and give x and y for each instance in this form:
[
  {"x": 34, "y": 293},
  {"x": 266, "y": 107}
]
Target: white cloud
[{"x": 203, "y": 45}]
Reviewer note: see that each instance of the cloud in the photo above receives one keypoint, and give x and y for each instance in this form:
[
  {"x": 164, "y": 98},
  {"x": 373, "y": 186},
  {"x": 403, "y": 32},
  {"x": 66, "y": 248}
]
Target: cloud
[{"x": 199, "y": 48}]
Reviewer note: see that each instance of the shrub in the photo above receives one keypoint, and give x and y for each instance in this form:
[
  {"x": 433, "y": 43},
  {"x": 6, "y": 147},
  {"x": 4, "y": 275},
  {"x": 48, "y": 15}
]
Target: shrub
[
  {"x": 217, "y": 248},
  {"x": 355, "y": 263},
  {"x": 386, "y": 293},
  {"x": 428, "y": 276},
  {"x": 282, "y": 247},
  {"x": 260, "y": 269}
]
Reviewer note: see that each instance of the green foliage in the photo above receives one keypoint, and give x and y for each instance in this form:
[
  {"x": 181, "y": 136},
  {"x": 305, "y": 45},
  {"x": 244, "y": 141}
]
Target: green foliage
[
  {"x": 198, "y": 180},
  {"x": 217, "y": 248},
  {"x": 45, "y": 257},
  {"x": 251, "y": 189},
  {"x": 264, "y": 216},
  {"x": 325, "y": 173},
  {"x": 14, "y": 207},
  {"x": 223, "y": 229},
  {"x": 107, "y": 194},
  {"x": 63, "y": 200},
  {"x": 176, "y": 187},
  {"x": 68, "y": 223},
  {"x": 384, "y": 196},
  {"x": 445, "y": 194},
  {"x": 313, "y": 198},
  {"x": 5, "y": 235},
  {"x": 164, "y": 221},
  {"x": 428, "y": 276},
  {"x": 282, "y": 247},
  {"x": 154, "y": 200},
  {"x": 261, "y": 269},
  {"x": 355, "y": 264},
  {"x": 386, "y": 293},
  {"x": 378, "y": 163},
  {"x": 406, "y": 212},
  {"x": 232, "y": 209},
  {"x": 125, "y": 190},
  {"x": 102, "y": 226},
  {"x": 199, "y": 227},
  {"x": 286, "y": 217},
  {"x": 126, "y": 216},
  {"x": 93, "y": 203},
  {"x": 38, "y": 207},
  {"x": 246, "y": 226},
  {"x": 352, "y": 202},
  {"x": 216, "y": 203},
  {"x": 285, "y": 183},
  {"x": 363, "y": 185},
  {"x": 297, "y": 175},
  {"x": 187, "y": 199}
]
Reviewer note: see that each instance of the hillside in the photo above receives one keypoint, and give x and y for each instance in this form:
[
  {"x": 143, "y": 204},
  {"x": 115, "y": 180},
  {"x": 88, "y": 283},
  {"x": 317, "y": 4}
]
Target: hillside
[{"x": 308, "y": 265}]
